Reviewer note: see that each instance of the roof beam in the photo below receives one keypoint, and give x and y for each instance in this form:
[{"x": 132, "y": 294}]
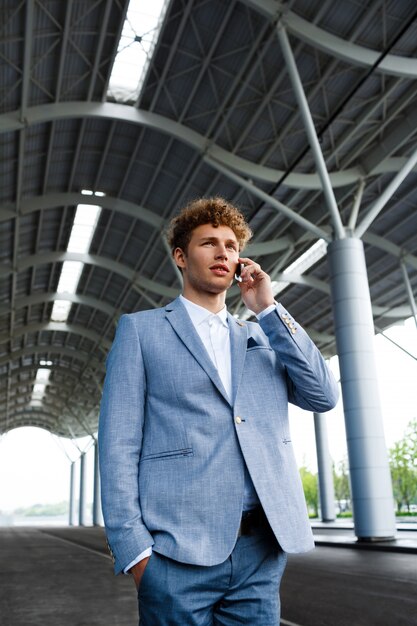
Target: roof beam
[
  {"x": 270, "y": 200},
  {"x": 79, "y": 355},
  {"x": 32, "y": 418},
  {"x": 52, "y": 200},
  {"x": 124, "y": 113},
  {"x": 399, "y": 134},
  {"x": 52, "y": 421},
  {"x": 347, "y": 51},
  {"x": 390, "y": 248},
  {"x": 60, "y": 327},
  {"x": 51, "y": 400},
  {"x": 386, "y": 195},
  {"x": 91, "y": 259},
  {"x": 75, "y": 298},
  {"x": 27, "y": 57},
  {"x": 311, "y": 132},
  {"x": 57, "y": 369},
  {"x": 337, "y": 47}
]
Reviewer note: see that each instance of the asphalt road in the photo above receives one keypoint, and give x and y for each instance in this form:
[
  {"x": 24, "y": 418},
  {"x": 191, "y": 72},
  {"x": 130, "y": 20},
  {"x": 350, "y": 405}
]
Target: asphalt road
[
  {"x": 350, "y": 587},
  {"x": 63, "y": 577}
]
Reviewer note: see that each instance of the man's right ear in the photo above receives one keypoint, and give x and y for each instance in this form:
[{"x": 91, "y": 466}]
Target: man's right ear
[{"x": 179, "y": 257}]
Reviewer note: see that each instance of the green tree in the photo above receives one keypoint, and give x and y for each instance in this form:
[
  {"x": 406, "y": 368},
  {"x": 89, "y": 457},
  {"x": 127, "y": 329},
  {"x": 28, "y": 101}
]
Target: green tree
[
  {"x": 341, "y": 484},
  {"x": 311, "y": 489},
  {"x": 403, "y": 465},
  {"x": 58, "y": 508},
  {"x": 411, "y": 434}
]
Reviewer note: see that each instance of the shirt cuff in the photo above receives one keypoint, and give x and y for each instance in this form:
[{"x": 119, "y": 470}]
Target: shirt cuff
[
  {"x": 141, "y": 556},
  {"x": 268, "y": 309}
]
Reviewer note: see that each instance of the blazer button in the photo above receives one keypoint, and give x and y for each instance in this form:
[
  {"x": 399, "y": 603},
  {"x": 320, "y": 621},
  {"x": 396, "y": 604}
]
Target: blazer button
[{"x": 238, "y": 419}]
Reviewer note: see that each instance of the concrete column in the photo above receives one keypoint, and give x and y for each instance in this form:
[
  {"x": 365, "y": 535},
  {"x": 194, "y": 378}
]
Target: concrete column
[
  {"x": 324, "y": 463},
  {"x": 372, "y": 499},
  {"x": 72, "y": 495},
  {"x": 82, "y": 503},
  {"x": 97, "y": 513}
]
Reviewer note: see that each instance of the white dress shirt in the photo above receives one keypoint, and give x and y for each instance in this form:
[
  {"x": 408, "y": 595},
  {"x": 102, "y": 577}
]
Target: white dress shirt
[{"x": 213, "y": 330}]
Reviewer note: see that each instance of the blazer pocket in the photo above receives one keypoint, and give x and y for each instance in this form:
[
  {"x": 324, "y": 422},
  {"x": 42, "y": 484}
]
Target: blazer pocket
[
  {"x": 258, "y": 347},
  {"x": 168, "y": 454}
]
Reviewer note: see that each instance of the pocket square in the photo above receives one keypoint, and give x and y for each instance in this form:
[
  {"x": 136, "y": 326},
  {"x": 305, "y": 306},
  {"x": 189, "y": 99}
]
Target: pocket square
[{"x": 251, "y": 343}]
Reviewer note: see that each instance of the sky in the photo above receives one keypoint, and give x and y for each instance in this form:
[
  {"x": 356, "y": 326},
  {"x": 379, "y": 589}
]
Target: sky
[
  {"x": 397, "y": 377},
  {"x": 35, "y": 466}
]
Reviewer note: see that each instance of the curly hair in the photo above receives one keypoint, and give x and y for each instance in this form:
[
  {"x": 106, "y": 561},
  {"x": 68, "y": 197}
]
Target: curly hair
[{"x": 216, "y": 211}]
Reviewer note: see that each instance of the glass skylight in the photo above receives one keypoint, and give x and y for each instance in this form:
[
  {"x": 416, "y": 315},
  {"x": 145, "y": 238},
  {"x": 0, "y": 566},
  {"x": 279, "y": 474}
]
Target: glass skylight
[
  {"x": 41, "y": 381},
  {"x": 42, "y": 375},
  {"x": 85, "y": 222},
  {"x": 82, "y": 232},
  {"x": 139, "y": 36},
  {"x": 316, "y": 252}
]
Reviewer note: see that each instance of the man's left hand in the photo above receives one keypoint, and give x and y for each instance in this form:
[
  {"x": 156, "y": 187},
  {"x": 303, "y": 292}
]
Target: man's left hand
[{"x": 255, "y": 287}]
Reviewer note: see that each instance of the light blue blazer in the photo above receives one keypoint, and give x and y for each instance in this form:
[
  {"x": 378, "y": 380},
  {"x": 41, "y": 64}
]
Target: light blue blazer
[{"x": 172, "y": 449}]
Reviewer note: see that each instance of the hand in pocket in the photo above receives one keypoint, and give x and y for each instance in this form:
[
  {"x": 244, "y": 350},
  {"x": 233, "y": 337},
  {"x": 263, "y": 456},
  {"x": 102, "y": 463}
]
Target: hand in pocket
[{"x": 138, "y": 570}]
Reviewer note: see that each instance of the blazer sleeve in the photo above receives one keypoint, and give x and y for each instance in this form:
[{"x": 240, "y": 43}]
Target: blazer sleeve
[
  {"x": 311, "y": 385},
  {"x": 120, "y": 441}
]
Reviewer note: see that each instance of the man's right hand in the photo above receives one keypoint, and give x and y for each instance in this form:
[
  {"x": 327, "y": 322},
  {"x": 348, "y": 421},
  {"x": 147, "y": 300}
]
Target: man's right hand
[{"x": 138, "y": 570}]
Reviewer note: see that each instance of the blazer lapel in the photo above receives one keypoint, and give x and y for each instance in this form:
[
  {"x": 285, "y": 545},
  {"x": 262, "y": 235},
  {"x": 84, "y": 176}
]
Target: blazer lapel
[
  {"x": 179, "y": 319},
  {"x": 238, "y": 343}
]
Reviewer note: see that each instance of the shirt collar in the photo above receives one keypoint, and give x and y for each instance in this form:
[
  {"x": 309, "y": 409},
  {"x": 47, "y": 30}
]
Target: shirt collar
[{"x": 199, "y": 314}]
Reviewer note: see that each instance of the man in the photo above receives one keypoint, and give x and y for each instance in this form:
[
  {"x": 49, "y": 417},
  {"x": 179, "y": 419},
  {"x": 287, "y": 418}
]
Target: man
[{"x": 201, "y": 494}]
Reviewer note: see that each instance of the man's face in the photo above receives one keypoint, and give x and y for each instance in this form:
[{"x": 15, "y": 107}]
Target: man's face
[{"x": 211, "y": 259}]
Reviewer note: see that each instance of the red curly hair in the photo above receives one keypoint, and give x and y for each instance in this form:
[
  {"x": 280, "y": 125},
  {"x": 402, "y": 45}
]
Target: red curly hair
[{"x": 216, "y": 211}]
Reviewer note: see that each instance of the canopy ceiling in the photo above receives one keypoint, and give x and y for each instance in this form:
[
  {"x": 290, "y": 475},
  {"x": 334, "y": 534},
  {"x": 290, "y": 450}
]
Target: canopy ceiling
[{"x": 217, "y": 115}]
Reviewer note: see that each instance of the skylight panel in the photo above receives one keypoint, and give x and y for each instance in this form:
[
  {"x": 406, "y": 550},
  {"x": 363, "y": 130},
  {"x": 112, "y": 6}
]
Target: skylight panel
[
  {"x": 316, "y": 252},
  {"x": 60, "y": 310},
  {"x": 42, "y": 375},
  {"x": 39, "y": 387},
  {"x": 139, "y": 36},
  {"x": 70, "y": 276},
  {"x": 82, "y": 232},
  {"x": 36, "y": 403},
  {"x": 306, "y": 260},
  {"x": 38, "y": 391}
]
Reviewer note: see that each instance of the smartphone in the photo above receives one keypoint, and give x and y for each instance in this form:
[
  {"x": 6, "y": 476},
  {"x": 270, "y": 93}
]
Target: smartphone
[{"x": 238, "y": 272}]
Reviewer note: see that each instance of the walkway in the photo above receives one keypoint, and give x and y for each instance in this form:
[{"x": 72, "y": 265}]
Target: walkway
[{"x": 63, "y": 576}]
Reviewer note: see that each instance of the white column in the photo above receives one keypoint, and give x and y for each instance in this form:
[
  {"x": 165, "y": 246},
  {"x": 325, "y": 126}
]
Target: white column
[
  {"x": 82, "y": 503},
  {"x": 97, "y": 513},
  {"x": 373, "y": 504},
  {"x": 72, "y": 495},
  {"x": 324, "y": 463}
]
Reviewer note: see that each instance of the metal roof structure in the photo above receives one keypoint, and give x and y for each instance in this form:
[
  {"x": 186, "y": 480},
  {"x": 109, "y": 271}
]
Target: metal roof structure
[{"x": 218, "y": 114}]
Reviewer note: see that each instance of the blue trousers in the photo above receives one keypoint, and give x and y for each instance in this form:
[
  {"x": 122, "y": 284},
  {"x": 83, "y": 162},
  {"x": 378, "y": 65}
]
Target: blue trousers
[{"x": 242, "y": 590}]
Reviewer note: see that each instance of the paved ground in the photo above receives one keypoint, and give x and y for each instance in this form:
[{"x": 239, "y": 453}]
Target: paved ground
[
  {"x": 49, "y": 581},
  {"x": 62, "y": 576},
  {"x": 346, "y": 587}
]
